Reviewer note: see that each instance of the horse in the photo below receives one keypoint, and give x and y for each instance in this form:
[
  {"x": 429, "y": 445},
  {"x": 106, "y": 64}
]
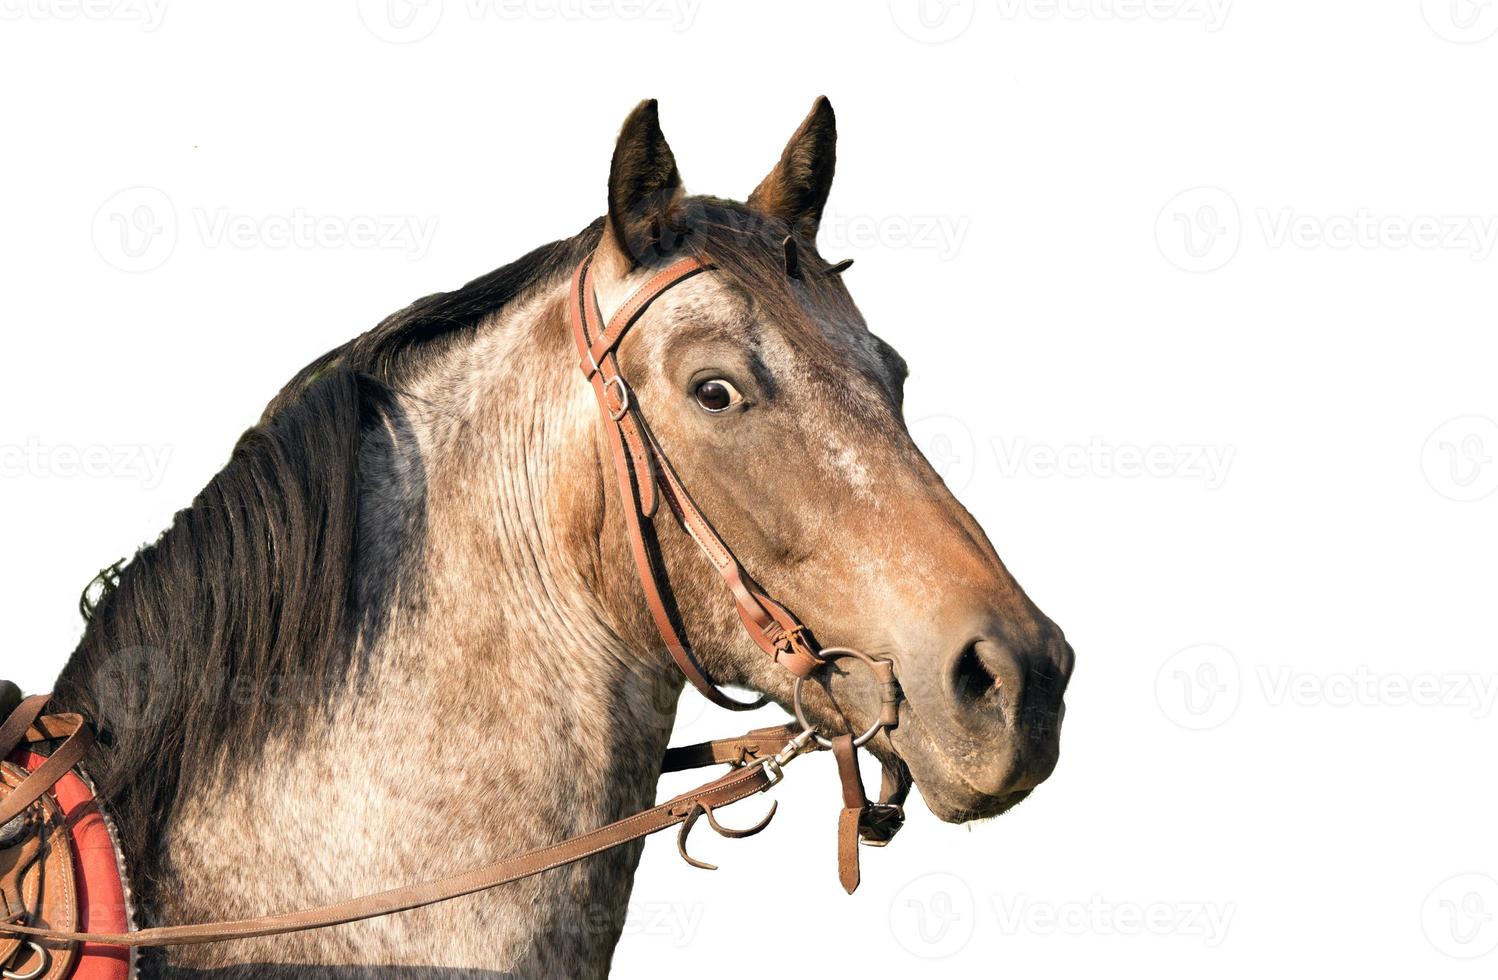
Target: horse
[{"x": 400, "y": 630}]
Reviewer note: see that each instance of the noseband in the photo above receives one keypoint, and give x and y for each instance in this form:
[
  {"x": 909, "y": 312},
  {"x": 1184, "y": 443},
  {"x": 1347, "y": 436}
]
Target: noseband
[{"x": 756, "y": 759}]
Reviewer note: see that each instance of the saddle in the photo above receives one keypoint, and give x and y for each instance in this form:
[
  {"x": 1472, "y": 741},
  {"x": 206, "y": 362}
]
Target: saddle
[{"x": 59, "y": 864}]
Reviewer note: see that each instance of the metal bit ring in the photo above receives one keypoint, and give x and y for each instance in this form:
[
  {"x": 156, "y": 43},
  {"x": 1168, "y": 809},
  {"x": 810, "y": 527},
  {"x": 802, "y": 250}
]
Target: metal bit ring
[{"x": 833, "y": 653}]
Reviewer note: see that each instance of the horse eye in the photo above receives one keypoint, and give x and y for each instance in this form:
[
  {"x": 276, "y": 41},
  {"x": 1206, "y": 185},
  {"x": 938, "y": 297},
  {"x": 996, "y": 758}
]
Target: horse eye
[{"x": 718, "y": 395}]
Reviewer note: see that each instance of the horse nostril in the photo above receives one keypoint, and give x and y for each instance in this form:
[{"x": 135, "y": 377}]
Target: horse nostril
[
  {"x": 985, "y": 673},
  {"x": 971, "y": 681}
]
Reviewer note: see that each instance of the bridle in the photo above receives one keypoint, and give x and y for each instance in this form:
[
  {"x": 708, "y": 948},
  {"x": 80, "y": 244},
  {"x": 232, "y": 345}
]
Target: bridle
[
  {"x": 757, "y": 759},
  {"x": 645, "y": 475}
]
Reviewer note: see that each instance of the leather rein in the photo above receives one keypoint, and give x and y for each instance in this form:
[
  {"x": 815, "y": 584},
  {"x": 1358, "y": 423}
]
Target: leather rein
[{"x": 756, "y": 759}]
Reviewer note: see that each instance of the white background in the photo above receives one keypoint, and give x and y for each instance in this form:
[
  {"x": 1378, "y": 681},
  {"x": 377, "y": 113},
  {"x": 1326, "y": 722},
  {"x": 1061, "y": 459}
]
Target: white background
[{"x": 1102, "y": 232}]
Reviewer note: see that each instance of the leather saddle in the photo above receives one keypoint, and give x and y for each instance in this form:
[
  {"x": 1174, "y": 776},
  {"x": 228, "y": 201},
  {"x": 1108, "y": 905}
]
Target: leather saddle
[{"x": 37, "y": 883}]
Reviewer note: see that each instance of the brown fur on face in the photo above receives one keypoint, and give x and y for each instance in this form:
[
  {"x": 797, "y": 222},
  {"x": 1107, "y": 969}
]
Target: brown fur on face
[{"x": 400, "y": 634}]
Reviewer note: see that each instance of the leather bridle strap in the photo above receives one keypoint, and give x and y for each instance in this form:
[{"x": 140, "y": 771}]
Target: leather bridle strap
[
  {"x": 855, "y": 803},
  {"x": 736, "y": 785},
  {"x": 645, "y": 474}
]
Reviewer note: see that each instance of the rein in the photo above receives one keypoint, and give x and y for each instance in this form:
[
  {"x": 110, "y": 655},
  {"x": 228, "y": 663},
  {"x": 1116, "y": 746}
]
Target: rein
[{"x": 756, "y": 759}]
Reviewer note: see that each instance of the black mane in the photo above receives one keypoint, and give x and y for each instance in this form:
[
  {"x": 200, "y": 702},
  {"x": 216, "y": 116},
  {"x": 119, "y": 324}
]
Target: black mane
[{"x": 242, "y": 617}]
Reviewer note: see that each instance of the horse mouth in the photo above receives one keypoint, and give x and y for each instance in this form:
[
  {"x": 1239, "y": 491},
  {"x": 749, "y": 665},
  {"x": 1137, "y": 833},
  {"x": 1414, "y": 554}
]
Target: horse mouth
[{"x": 962, "y": 780}]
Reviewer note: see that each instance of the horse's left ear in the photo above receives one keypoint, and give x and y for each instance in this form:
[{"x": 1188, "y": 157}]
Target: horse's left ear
[{"x": 796, "y": 190}]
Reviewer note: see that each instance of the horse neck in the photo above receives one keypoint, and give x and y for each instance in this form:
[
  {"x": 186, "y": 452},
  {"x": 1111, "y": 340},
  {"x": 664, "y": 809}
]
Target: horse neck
[
  {"x": 518, "y": 617},
  {"x": 500, "y": 709}
]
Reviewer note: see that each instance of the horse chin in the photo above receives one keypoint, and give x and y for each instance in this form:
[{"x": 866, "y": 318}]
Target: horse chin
[
  {"x": 970, "y": 806},
  {"x": 953, "y": 790}
]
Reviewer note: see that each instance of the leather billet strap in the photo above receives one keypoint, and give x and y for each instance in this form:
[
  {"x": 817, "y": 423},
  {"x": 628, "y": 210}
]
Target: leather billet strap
[
  {"x": 645, "y": 475},
  {"x": 738, "y": 784}
]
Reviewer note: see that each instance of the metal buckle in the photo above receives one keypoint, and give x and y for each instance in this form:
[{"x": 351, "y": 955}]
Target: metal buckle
[
  {"x": 879, "y": 823},
  {"x": 44, "y": 960},
  {"x": 624, "y": 398},
  {"x": 774, "y": 766}
]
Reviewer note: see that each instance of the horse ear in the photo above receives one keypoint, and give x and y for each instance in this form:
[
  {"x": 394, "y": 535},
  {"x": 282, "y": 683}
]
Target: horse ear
[
  {"x": 643, "y": 183},
  {"x": 796, "y": 190}
]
